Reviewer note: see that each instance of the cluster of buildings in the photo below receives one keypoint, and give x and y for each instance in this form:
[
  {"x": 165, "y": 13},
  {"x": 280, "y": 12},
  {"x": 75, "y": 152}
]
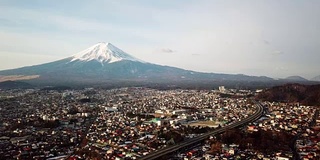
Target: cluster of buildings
[
  {"x": 300, "y": 123},
  {"x": 308, "y": 142},
  {"x": 141, "y": 121},
  {"x": 41, "y": 124},
  {"x": 129, "y": 123},
  {"x": 111, "y": 124}
]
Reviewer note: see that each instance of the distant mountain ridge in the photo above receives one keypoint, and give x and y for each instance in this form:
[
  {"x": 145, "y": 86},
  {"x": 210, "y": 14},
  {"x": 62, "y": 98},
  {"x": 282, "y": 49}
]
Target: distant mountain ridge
[
  {"x": 105, "y": 63},
  {"x": 317, "y": 78},
  {"x": 295, "y": 78},
  {"x": 14, "y": 85}
]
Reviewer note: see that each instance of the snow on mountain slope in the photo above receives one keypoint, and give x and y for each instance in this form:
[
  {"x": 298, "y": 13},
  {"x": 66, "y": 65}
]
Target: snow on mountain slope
[
  {"x": 317, "y": 78},
  {"x": 103, "y": 53}
]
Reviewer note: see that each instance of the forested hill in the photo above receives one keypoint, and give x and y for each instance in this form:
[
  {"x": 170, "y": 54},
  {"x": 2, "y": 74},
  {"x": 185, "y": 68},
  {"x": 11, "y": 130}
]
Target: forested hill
[{"x": 304, "y": 94}]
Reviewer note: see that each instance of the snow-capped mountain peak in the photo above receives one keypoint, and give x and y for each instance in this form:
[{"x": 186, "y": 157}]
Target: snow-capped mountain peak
[{"x": 103, "y": 53}]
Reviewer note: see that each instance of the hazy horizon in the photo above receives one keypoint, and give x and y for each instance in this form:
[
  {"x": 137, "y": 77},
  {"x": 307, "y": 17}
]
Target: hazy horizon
[{"x": 263, "y": 38}]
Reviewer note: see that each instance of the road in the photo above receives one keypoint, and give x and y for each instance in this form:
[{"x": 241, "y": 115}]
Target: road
[{"x": 189, "y": 142}]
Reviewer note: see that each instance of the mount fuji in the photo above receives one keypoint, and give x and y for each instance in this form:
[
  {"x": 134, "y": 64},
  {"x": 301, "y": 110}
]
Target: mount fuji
[
  {"x": 103, "y": 53},
  {"x": 103, "y": 63}
]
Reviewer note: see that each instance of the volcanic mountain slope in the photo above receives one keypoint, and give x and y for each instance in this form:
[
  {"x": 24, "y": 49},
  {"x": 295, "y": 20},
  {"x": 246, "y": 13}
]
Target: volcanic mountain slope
[
  {"x": 291, "y": 93},
  {"x": 317, "y": 78},
  {"x": 104, "y": 62},
  {"x": 296, "y": 78},
  {"x": 103, "y": 53},
  {"x": 14, "y": 85}
]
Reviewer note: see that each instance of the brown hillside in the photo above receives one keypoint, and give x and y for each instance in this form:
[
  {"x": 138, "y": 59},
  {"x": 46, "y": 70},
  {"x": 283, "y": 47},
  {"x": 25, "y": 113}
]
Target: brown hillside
[{"x": 305, "y": 94}]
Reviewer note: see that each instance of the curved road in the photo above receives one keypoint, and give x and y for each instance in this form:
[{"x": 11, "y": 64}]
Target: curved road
[{"x": 189, "y": 142}]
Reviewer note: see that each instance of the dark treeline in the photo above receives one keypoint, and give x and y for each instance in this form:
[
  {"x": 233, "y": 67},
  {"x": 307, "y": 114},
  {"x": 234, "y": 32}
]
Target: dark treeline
[{"x": 266, "y": 142}]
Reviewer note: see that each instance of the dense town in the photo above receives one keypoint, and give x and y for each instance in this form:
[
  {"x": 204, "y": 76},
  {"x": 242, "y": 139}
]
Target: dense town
[
  {"x": 129, "y": 123},
  {"x": 286, "y": 131}
]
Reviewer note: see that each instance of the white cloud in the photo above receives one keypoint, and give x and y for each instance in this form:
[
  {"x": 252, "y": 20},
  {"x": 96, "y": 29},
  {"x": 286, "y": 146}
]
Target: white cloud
[{"x": 277, "y": 52}]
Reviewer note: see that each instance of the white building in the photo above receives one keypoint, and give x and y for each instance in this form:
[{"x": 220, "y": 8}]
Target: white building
[{"x": 222, "y": 89}]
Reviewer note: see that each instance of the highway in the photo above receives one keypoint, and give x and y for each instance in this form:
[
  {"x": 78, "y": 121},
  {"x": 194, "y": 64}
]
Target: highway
[{"x": 165, "y": 151}]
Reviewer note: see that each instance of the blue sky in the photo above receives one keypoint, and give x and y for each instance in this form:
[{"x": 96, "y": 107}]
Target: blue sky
[{"x": 255, "y": 37}]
